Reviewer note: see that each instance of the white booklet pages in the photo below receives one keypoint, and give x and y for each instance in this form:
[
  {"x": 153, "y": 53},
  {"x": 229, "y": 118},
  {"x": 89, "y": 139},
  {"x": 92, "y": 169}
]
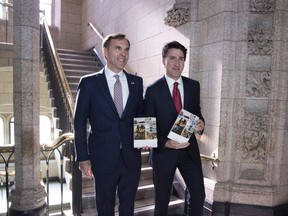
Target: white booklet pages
[
  {"x": 145, "y": 132},
  {"x": 183, "y": 126}
]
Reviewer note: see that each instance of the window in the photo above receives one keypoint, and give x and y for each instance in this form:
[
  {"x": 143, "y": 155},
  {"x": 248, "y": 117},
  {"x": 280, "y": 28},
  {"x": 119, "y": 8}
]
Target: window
[
  {"x": 3, "y": 9},
  {"x": 1, "y": 132},
  {"x": 44, "y": 130},
  {"x": 46, "y": 5},
  {"x": 11, "y": 131}
]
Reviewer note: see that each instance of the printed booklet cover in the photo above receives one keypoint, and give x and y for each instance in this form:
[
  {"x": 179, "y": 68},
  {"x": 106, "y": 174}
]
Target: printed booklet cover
[
  {"x": 145, "y": 132},
  {"x": 183, "y": 127}
]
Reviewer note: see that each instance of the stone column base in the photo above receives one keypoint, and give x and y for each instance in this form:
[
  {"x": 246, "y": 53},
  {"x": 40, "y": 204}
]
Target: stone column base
[{"x": 40, "y": 211}]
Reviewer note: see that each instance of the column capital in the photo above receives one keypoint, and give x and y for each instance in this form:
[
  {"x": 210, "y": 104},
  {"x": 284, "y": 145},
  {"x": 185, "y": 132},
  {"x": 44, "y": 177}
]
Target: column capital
[{"x": 177, "y": 14}]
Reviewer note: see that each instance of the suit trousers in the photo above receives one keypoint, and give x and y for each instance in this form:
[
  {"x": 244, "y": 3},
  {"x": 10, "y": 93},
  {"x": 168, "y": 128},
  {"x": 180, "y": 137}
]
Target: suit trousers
[
  {"x": 125, "y": 182},
  {"x": 193, "y": 177}
]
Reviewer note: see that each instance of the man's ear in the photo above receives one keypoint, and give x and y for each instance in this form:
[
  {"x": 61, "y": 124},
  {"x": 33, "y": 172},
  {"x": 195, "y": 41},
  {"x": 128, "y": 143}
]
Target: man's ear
[{"x": 104, "y": 51}]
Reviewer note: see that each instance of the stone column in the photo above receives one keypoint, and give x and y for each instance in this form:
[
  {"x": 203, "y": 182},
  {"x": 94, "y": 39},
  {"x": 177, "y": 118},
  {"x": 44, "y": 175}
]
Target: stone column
[
  {"x": 239, "y": 55},
  {"x": 28, "y": 196}
]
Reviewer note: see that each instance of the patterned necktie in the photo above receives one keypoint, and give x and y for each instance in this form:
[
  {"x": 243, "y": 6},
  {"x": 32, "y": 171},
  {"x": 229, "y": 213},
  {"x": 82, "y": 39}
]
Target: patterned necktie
[
  {"x": 177, "y": 97},
  {"x": 118, "y": 98}
]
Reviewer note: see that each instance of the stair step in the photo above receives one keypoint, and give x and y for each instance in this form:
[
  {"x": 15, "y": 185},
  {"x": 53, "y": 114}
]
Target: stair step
[
  {"x": 79, "y": 73},
  {"x": 75, "y": 52},
  {"x": 176, "y": 208},
  {"x": 146, "y": 173},
  {"x": 76, "y": 56},
  {"x": 80, "y": 67},
  {"x": 145, "y": 192},
  {"x": 90, "y": 62}
]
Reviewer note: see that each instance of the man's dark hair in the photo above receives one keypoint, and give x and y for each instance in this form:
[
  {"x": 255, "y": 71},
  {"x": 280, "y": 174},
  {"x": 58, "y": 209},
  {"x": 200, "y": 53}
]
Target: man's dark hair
[
  {"x": 173, "y": 45},
  {"x": 118, "y": 36}
]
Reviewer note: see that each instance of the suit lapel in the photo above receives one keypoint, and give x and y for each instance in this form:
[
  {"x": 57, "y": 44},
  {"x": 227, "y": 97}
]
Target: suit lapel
[
  {"x": 103, "y": 87},
  {"x": 165, "y": 94},
  {"x": 187, "y": 91},
  {"x": 131, "y": 85}
]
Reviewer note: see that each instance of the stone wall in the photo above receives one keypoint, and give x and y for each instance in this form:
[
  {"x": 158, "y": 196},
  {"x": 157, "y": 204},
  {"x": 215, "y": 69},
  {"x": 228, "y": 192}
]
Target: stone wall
[
  {"x": 237, "y": 50},
  {"x": 68, "y": 20},
  {"x": 144, "y": 25}
]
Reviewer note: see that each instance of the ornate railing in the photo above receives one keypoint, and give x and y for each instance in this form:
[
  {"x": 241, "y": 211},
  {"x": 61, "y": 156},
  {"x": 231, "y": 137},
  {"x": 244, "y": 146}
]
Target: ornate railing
[
  {"x": 47, "y": 150},
  {"x": 7, "y": 151}
]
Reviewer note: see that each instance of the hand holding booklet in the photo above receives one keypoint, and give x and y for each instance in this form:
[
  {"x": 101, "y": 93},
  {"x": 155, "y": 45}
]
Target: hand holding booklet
[
  {"x": 145, "y": 132},
  {"x": 183, "y": 127}
]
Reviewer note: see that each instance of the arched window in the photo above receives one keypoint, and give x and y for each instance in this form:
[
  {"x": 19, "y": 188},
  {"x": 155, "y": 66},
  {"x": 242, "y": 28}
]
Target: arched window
[
  {"x": 3, "y": 10},
  {"x": 11, "y": 131},
  {"x": 1, "y": 132},
  {"x": 44, "y": 129},
  {"x": 46, "y": 5}
]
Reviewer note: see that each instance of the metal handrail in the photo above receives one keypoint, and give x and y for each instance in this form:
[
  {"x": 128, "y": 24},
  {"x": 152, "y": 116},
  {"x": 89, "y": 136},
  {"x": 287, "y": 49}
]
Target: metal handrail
[
  {"x": 214, "y": 161},
  {"x": 58, "y": 142},
  {"x": 60, "y": 70},
  {"x": 100, "y": 34}
]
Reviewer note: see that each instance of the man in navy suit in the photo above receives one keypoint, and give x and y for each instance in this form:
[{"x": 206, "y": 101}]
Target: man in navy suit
[
  {"x": 107, "y": 153},
  {"x": 171, "y": 154}
]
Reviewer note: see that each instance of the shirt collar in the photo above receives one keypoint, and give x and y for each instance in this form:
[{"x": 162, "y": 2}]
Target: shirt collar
[
  {"x": 171, "y": 81},
  {"x": 110, "y": 74}
]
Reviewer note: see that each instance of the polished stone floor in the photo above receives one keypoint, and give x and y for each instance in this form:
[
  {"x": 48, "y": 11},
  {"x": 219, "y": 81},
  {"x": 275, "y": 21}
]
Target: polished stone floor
[
  {"x": 55, "y": 203},
  {"x": 54, "y": 199}
]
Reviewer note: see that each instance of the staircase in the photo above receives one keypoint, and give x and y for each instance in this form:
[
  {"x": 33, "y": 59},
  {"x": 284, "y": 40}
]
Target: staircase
[{"x": 75, "y": 65}]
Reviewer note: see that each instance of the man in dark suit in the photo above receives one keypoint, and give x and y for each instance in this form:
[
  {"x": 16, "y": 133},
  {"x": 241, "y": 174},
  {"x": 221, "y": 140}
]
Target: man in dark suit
[
  {"x": 171, "y": 154},
  {"x": 108, "y": 150}
]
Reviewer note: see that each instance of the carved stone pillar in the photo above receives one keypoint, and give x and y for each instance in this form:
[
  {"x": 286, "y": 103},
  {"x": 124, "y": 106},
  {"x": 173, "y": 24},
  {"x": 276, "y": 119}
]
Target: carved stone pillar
[{"x": 28, "y": 196}]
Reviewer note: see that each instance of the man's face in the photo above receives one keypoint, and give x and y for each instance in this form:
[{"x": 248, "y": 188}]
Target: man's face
[
  {"x": 174, "y": 63},
  {"x": 117, "y": 54}
]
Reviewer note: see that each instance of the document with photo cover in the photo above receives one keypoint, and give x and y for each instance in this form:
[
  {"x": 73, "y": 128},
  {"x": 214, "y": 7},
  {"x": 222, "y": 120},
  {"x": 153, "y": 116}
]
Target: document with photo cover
[
  {"x": 145, "y": 132},
  {"x": 183, "y": 127}
]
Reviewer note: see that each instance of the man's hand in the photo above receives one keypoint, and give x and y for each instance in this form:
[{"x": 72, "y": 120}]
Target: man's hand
[
  {"x": 85, "y": 168},
  {"x": 176, "y": 145},
  {"x": 199, "y": 126}
]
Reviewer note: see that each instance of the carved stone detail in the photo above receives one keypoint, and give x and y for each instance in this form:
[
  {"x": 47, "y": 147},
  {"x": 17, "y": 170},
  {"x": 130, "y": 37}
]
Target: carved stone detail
[
  {"x": 255, "y": 137},
  {"x": 262, "y": 5},
  {"x": 258, "y": 84},
  {"x": 177, "y": 17},
  {"x": 260, "y": 41}
]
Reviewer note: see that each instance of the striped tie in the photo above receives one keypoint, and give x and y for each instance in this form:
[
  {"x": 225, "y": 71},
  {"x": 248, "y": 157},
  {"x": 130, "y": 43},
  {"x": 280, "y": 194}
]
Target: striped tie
[{"x": 118, "y": 98}]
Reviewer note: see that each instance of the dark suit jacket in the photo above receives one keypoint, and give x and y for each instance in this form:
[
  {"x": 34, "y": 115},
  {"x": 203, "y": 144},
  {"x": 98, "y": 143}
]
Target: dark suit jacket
[
  {"x": 159, "y": 103},
  {"x": 95, "y": 104}
]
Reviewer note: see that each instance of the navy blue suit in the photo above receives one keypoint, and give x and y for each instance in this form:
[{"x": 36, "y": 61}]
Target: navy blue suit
[
  {"x": 108, "y": 132},
  {"x": 159, "y": 103}
]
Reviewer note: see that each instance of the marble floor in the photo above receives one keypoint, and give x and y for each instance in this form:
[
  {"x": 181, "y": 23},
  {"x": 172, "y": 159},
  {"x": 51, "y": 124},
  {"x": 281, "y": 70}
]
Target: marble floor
[
  {"x": 55, "y": 203},
  {"x": 54, "y": 199}
]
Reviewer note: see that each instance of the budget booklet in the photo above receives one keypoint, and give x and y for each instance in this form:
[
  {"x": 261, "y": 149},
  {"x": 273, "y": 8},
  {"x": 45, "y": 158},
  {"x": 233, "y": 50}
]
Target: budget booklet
[
  {"x": 183, "y": 127},
  {"x": 145, "y": 132}
]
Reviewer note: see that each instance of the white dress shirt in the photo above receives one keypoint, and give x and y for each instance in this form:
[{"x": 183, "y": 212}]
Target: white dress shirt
[
  {"x": 180, "y": 87},
  {"x": 111, "y": 81}
]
